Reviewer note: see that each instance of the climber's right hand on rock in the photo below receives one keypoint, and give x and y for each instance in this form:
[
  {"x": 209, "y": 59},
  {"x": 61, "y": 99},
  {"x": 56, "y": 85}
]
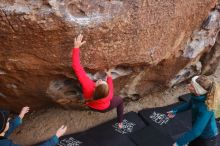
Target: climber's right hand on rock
[
  {"x": 61, "y": 131},
  {"x": 78, "y": 41},
  {"x": 171, "y": 114}
]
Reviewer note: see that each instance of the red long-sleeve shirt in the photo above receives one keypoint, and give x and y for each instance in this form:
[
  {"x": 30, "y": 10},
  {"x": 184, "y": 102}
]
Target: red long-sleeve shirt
[{"x": 88, "y": 86}]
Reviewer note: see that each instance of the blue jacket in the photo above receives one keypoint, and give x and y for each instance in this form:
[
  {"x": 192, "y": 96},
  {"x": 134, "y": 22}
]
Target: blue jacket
[
  {"x": 203, "y": 120},
  {"x": 13, "y": 124}
]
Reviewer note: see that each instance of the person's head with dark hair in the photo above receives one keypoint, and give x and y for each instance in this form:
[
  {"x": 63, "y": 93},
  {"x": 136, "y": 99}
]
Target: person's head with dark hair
[
  {"x": 4, "y": 122},
  {"x": 101, "y": 90}
]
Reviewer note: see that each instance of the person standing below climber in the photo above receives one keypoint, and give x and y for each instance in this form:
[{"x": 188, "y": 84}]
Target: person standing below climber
[
  {"x": 203, "y": 103},
  {"x": 7, "y": 126},
  {"x": 98, "y": 95}
]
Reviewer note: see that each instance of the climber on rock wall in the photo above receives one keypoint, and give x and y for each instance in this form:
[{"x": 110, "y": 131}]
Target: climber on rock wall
[
  {"x": 203, "y": 103},
  {"x": 98, "y": 95},
  {"x": 8, "y": 125}
]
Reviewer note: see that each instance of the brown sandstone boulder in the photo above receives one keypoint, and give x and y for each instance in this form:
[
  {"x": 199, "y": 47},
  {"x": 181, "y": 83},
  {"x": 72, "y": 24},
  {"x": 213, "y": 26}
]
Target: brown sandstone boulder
[{"x": 144, "y": 40}]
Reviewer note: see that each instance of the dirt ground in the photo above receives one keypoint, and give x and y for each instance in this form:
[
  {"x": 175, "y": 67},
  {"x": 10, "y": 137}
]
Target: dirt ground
[{"x": 41, "y": 125}]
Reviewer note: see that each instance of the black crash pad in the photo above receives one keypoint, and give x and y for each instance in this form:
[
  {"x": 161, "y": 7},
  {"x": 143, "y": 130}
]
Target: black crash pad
[
  {"x": 175, "y": 127},
  {"x": 107, "y": 134},
  {"x": 185, "y": 97},
  {"x": 150, "y": 136}
]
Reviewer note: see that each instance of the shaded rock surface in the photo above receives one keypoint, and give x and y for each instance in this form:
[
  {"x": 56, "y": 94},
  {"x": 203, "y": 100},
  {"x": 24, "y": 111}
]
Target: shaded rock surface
[{"x": 145, "y": 41}]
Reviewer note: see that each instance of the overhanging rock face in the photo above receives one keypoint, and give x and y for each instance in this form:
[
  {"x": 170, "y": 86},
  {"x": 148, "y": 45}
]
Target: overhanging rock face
[{"x": 144, "y": 41}]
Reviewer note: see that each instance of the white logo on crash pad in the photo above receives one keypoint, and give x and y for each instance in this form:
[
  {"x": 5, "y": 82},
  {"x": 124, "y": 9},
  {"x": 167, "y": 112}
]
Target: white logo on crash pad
[
  {"x": 127, "y": 127},
  {"x": 159, "y": 118},
  {"x": 69, "y": 142}
]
